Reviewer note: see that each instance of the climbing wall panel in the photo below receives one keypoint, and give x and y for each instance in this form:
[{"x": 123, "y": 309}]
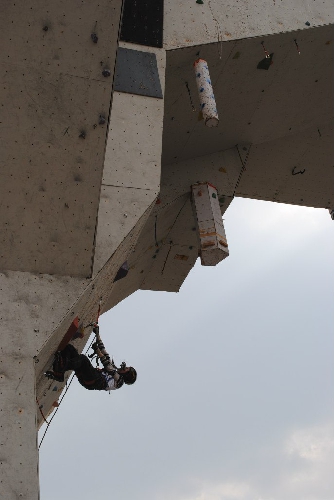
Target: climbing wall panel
[
  {"x": 56, "y": 91},
  {"x": 254, "y": 105},
  {"x": 214, "y": 21},
  {"x": 132, "y": 169},
  {"x": 142, "y": 22},
  {"x": 133, "y": 152},
  {"x": 297, "y": 170},
  {"x": 173, "y": 251}
]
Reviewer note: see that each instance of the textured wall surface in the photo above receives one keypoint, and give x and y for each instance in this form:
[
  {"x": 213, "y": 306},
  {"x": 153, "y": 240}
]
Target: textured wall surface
[
  {"x": 214, "y": 21},
  {"x": 56, "y": 85},
  {"x": 132, "y": 169}
]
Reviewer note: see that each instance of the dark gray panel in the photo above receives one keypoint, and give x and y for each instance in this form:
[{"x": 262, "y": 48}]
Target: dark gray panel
[{"x": 137, "y": 73}]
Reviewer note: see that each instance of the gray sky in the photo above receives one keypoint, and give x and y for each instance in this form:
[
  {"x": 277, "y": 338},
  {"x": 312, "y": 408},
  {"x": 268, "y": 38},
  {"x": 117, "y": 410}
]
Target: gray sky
[{"x": 234, "y": 398}]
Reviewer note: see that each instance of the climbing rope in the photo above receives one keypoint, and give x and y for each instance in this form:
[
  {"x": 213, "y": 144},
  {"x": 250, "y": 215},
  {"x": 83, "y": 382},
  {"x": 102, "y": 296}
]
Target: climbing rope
[
  {"x": 243, "y": 168},
  {"x": 40, "y": 409},
  {"x": 61, "y": 399}
]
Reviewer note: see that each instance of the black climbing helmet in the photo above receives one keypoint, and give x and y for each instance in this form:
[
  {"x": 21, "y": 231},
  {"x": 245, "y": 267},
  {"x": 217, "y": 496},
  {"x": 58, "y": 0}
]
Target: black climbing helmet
[{"x": 130, "y": 377}]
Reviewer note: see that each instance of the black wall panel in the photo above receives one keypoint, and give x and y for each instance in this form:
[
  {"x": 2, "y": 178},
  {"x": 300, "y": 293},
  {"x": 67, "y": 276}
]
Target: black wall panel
[{"x": 142, "y": 22}]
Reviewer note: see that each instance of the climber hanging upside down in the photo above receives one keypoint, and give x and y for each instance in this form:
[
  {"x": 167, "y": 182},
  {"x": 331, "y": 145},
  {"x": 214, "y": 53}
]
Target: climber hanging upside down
[{"x": 106, "y": 379}]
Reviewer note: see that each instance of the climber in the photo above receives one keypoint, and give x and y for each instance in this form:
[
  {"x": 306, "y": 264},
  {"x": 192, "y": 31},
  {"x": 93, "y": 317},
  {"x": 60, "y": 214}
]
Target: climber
[{"x": 108, "y": 378}]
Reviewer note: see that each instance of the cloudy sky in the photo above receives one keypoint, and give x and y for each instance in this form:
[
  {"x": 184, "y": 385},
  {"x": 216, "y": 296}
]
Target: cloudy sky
[{"x": 234, "y": 398}]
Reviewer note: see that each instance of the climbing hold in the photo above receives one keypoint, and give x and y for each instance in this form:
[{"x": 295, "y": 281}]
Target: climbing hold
[
  {"x": 106, "y": 72},
  {"x": 45, "y": 28},
  {"x": 122, "y": 272},
  {"x": 102, "y": 120},
  {"x": 181, "y": 257},
  {"x": 266, "y": 62},
  {"x": 200, "y": 2},
  {"x": 299, "y": 171},
  {"x": 94, "y": 37},
  {"x": 307, "y": 23},
  {"x": 82, "y": 135},
  {"x": 206, "y": 95},
  {"x": 55, "y": 388}
]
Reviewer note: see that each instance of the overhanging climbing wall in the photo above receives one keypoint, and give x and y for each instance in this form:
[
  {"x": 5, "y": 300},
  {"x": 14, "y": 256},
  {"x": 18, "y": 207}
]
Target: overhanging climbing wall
[{"x": 98, "y": 166}]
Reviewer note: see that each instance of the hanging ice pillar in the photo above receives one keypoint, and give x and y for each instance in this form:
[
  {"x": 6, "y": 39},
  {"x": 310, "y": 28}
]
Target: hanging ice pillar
[{"x": 213, "y": 244}]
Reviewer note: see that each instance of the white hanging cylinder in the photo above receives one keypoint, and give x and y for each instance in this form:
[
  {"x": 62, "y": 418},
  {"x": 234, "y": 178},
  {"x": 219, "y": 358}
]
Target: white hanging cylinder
[{"x": 205, "y": 92}]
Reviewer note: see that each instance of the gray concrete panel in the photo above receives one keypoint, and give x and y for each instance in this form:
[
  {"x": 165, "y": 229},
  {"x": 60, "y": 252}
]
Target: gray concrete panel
[
  {"x": 214, "y": 21},
  {"x": 31, "y": 307},
  {"x": 147, "y": 262},
  {"x": 298, "y": 170},
  {"x": 120, "y": 210},
  {"x": 220, "y": 169},
  {"x": 176, "y": 250},
  {"x": 170, "y": 269},
  {"x": 133, "y": 152},
  {"x": 137, "y": 73},
  {"x": 53, "y": 92},
  {"x": 57, "y": 36},
  {"x": 132, "y": 169},
  {"x": 254, "y": 106},
  {"x": 18, "y": 440}
]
